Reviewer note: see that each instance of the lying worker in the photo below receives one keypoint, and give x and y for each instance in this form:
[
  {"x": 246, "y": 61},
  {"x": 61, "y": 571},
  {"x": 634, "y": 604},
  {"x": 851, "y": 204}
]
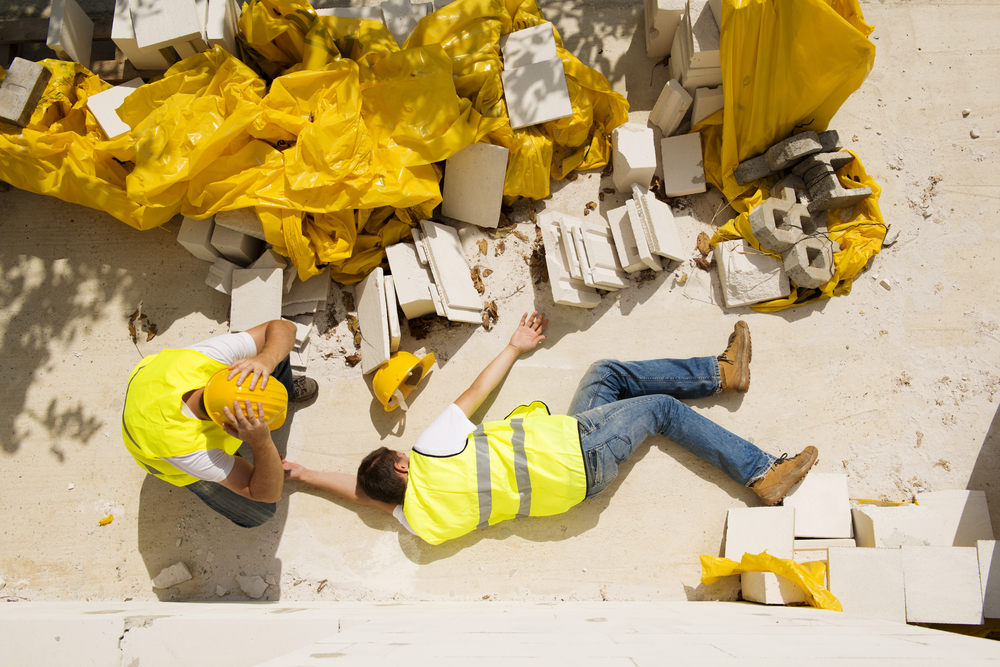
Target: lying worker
[
  {"x": 460, "y": 476},
  {"x": 168, "y": 426}
]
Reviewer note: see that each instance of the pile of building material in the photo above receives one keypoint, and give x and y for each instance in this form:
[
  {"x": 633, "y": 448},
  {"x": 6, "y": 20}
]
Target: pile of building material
[
  {"x": 534, "y": 80},
  {"x": 929, "y": 562},
  {"x": 154, "y": 34}
]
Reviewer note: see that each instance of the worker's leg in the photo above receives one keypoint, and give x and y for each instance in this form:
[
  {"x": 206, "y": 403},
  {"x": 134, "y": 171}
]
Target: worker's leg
[
  {"x": 608, "y": 380},
  {"x": 283, "y": 374},
  {"x": 610, "y": 432},
  {"x": 238, "y": 509}
]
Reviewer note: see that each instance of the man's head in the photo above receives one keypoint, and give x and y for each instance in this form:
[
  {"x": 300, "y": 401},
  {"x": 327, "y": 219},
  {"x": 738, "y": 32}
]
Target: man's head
[{"x": 383, "y": 475}]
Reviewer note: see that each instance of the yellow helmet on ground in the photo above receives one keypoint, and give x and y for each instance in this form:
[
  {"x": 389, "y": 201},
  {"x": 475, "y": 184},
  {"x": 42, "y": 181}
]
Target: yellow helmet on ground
[
  {"x": 396, "y": 379},
  {"x": 220, "y": 393}
]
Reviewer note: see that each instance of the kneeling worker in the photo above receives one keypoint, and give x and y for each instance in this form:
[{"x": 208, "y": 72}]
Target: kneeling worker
[
  {"x": 182, "y": 421},
  {"x": 460, "y": 477}
]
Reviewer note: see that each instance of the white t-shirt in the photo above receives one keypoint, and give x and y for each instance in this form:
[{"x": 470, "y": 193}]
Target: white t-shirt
[
  {"x": 214, "y": 465},
  {"x": 445, "y": 436}
]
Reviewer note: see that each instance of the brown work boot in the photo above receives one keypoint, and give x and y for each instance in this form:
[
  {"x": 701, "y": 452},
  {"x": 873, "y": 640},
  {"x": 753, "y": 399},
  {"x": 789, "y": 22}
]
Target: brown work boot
[
  {"x": 734, "y": 363},
  {"x": 783, "y": 475},
  {"x": 305, "y": 389}
]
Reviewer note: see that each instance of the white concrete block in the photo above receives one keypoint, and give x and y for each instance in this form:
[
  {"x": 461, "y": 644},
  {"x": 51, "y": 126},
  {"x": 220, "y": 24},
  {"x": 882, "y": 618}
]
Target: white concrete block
[
  {"x": 822, "y": 506},
  {"x": 368, "y": 13},
  {"x": 706, "y": 102},
  {"x": 675, "y": 66},
  {"x": 989, "y": 577},
  {"x": 219, "y": 25},
  {"x": 291, "y": 273},
  {"x": 301, "y": 308},
  {"x": 269, "y": 259},
  {"x": 942, "y": 585},
  {"x": 220, "y": 275},
  {"x": 299, "y": 360},
  {"x": 242, "y": 220},
  {"x": 21, "y": 90},
  {"x": 809, "y": 550},
  {"x": 566, "y": 290},
  {"x": 452, "y": 277},
  {"x": 185, "y": 49},
  {"x": 965, "y": 514},
  {"x": 123, "y": 35},
  {"x": 656, "y": 222},
  {"x": 635, "y": 220},
  {"x": 693, "y": 79},
  {"x": 602, "y": 268},
  {"x": 903, "y": 525},
  {"x": 716, "y": 6},
  {"x": 528, "y": 46},
  {"x": 374, "y": 321},
  {"x": 302, "y": 332},
  {"x": 71, "y": 32},
  {"x": 756, "y": 529},
  {"x": 624, "y": 237},
  {"x": 234, "y": 246},
  {"x": 869, "y": 582},
  {"x": 703, "y": 35},
  {"x": 770, "y": 588},
  {"x": 104, "y": 105},
  {"x": 670, "y": 108},
  {"x": 663, "y": 17},
  {"x": 401, "y": 17},
  {"x": 315, "y": 289},
  {"x": 177, "y": 573},
  {"x": 748, "y": 276},
  {"x": 162, "y": 23},
  {"x": 573, "y": 263},
  {"x": 196, "y": 236},
  {"x": 392, "y": 313},
  {"x": 805, "y": 544},
  {"x": 683, "y": 168},
  {"x": 634, "y": 156},
  {"x": 412, "y": 280},
  {"x": 473, "y": 184},
  {"x": 256, "y": 298},
  {"x": 536, "y": 93}
]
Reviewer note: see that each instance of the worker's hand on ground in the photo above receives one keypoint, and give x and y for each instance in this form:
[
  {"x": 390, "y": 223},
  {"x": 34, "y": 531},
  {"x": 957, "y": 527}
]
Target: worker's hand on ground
[
  {"x": 293, "y": 471},
  {"x": 253, "y": 366},
  {"x": 249, "y": 425},
  {"x": 529, "y": 332}
]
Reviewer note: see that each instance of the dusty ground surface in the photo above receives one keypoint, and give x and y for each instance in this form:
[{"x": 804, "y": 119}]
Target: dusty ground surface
[{"x": 897, "y": 387}]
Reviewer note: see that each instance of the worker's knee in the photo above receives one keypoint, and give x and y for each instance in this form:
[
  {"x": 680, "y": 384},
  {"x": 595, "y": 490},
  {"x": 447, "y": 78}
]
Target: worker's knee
[{"x": 258, "y": 515}]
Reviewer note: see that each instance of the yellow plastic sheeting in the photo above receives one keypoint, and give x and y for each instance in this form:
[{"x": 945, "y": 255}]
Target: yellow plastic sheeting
[
  {"x": 809, "y": 576},
  {"x": 858, "y": 230}
]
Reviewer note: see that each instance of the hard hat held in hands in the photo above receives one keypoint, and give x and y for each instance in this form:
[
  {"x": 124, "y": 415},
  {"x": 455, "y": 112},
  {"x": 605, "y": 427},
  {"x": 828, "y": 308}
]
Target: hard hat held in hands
[
  {"x": 396, "y": 379},
  {"x": 220, "y": 393}
]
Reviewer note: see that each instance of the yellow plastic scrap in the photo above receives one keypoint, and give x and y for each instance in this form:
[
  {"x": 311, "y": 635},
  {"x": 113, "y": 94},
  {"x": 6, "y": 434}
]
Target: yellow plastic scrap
[
  {"x": 106, "y": 520},
  {"x": 809, "y": 576}
]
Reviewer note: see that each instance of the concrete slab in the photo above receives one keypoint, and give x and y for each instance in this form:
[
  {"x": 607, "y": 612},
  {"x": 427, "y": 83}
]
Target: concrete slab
[
  {"x": 256, "y": 298},
  {"x": 942, "y": 585},
  {"x": 754, "y": 530},
  {"x": 894, "y": 527},
  {"x": 473, "y": 184},
  {"x": 104, "y": 106},
  {"x": 536, "y": 93},
  {"x": 123, "y": 35},
  {"x": 634, "y": 156},
  {"x": 71, "y": 32},
  {"x": 686, "y": 172},
  {"x": 822, "y": 506},
  {"x": 528, "y": 46},
  {"x": 374, "y": 320},
  {"x": 965, "y": 513},
  {"x": 869, "y": 582},
  {"x": 159, "y": 23}
]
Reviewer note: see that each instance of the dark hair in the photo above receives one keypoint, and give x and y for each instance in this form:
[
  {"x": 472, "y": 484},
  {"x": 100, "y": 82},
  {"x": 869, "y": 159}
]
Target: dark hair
[{"x": 378, "y": 478}]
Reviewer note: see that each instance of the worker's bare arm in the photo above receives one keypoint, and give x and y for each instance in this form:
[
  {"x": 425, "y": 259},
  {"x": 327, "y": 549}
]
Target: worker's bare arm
[
  {"x": 274, "y": 340},
  {"x": 526, "y": 337},
  {"x": 262, "y": 481},
  {"x": 342, "y": 485}
]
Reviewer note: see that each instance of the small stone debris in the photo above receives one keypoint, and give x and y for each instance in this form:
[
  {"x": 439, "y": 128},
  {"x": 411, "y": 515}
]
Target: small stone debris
[
  {"x": 353, "y": 360},
  {"x": 974, "y": 133},
  {"x": 966, "y": 112},
  {"x": 487, "y": 273},
  {"x": 886, "y": 284},
  {"x": 70, "y": 486},
  {"x": 270, "y": 579},
  {"x": 254, "y": 586},
  {"x": 177, "y": 573},
  {"x": 220, "y": 591}
]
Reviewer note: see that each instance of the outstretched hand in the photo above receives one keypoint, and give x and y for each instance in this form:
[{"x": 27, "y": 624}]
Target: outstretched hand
[{"x": 529, "y": 332}]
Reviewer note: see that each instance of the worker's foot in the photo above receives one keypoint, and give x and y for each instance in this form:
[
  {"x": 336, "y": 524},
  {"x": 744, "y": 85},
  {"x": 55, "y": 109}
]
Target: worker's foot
[
  {"x": 305, "y": 389},
  {"x": 734, "y": 363},
  {"x": 783, "y": 475}
]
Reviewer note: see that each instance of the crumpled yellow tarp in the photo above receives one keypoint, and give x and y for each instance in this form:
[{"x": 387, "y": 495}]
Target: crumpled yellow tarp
[
  {"x": 787, "y": 67},
  {"x": 336, "y": 154},
  {"x": 809, "y": 576}
]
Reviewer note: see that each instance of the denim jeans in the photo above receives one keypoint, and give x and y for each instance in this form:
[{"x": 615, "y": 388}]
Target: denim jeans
[
  {"x": 241, "y": 510},
  {"x": 621, "y": 403}
]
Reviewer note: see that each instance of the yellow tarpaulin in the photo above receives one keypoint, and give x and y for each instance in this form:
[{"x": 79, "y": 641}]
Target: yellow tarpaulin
[{"x": 809, "y": 576}]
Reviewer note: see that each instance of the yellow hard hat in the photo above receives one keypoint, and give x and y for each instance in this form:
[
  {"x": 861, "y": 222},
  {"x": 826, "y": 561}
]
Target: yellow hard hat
[
  {"x": 402, "y": 373},
  {"x": 220, "y": 393}
]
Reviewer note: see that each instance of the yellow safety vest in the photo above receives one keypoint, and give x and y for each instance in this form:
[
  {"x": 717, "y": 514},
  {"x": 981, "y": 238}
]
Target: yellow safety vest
[
  {"x": 153, "y": 425},
  {"x": 527, "y": 464}
]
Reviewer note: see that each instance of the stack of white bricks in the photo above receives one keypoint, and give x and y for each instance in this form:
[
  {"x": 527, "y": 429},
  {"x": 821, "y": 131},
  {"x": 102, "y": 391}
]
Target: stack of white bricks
[
  {"x": 154, "y": 34},
  {"x": 754, "y": 530},
  {"x": 694, "y": 53},
  {"x": 534, "y": 80}
]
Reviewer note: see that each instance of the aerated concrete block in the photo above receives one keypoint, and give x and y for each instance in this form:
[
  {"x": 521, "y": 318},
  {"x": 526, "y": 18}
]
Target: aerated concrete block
[
  {"x": 893, "y": 527},
  {"x": 656, "y": 222},
  {"x": 315, "y": 289},
  {"x": 812, "y": 550},
  {"x": 634, "y": 156},
  {"x": 683, "y": 168},
  {"x": 104, "y": 105},
  {"x": 234, "y": 246},
  {"x": 219, "y": 24},
  {"x": 624, "y": 237},
  {"x": 822, "y": 506},
  {"x": 536, "y": 93},
  {"x": 747, "y": 275},
  {"x": 269, "y": 259},
  {"x": 242, "y": 220},
  {"x": 162, "y": 23},
  {"x": 71, "y": 32},
  {"x": 770, "y": 588},
  {"x": 450, "y": 268},
  {"x": 703, "y": 35},
  {"x": 196, "y": 236},
  {"x": 989, "y": 577},
  {"x": 965, "y": 514},
  {"x": 21, "y": 89},
  {"x": 528, "y": 46},
  {"x": 670, "y": 108},
  {"x": 256, "y": 298},
  {"x": 869, "y": 582},
  {"x": 663, "y": 17},
  {"x": 392, "y": 314},
  {"x": 374, "y": 320},
  {"x": 788, "y": 152},
  {"x": 566, "y": 290},
  {"x": 411, "y": 280},
  {"x": 809, "y": 263},
  {"x": 220, "y": 275},
  {"x": 706, "y": 102},
  {"x": 756, "y": 529},
  {"x": 942, "y": 585},
  {"x": 123, "y": 35},
  {"x": 473, "y": 184}
]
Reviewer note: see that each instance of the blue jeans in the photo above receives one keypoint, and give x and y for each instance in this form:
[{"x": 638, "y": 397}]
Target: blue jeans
[{"x": 621, "y": 403}]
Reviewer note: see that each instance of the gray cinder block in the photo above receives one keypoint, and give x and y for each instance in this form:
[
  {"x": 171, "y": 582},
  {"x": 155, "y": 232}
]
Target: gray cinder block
[
  {"x": 819, "y": 171},
  {"x": 788, "y": 152},
  {"x": 752, "y": 170},
  {"x": 775, "y": 223},
  {"x": 21, "y": 89},
  {"x": 809, "y": 262}
]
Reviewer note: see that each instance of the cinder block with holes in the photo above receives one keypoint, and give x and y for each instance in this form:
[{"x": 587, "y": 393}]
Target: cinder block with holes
[
  {"x": 819, "y": 171},
  {"x": 809, "y": 262},
  {"x": 21, "y": 90},
  {"x": 778, "y": 223},
  {"x": 634, "y": 156}
]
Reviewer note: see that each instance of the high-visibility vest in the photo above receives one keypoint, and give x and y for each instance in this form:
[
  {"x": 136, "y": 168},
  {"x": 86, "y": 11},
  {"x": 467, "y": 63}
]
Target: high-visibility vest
[
  {"x": 153, "y": 425},
  {"x": 529, "y": 464}
]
